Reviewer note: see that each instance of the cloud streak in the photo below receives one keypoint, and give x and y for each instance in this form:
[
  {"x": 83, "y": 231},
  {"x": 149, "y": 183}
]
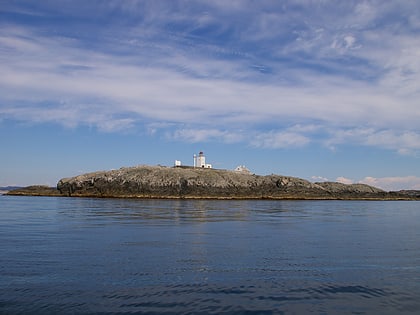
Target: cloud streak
[
  {"x": 360, "y": 85},
  {"x": 392, "y": 183},
  {"x": 386, "y": 183}
]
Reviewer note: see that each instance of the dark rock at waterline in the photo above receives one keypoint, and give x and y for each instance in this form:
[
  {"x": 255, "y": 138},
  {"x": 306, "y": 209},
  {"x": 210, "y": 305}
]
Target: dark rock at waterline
[
  {"x": 410, "y": 193},
  {"x": 35, "y": 190}
]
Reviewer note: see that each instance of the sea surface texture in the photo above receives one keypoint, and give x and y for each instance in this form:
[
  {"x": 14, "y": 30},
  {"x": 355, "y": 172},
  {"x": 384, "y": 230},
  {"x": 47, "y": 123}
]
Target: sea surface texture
[{"x": 100, "y": 256}]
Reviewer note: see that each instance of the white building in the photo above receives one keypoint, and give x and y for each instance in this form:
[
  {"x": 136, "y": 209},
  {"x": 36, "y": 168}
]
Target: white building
[
  {"x": 242, "y": 169},
  {"x": 200, "y": 161}
]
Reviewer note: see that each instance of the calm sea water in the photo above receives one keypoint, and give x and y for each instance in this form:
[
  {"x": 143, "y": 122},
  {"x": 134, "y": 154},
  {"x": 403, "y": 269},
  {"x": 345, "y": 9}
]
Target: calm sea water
[{"x": 67, "y": 256}]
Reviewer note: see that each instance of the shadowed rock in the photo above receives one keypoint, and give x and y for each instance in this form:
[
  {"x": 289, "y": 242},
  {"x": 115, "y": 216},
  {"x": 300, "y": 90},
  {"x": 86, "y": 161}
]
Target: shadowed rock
[{"x": 36, "y": 190}]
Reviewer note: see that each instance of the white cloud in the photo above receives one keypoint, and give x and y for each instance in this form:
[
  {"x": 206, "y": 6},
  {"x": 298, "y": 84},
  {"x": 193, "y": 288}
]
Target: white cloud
[
  {"x": 202, "y": 135},
  {"x": 116, "y": 125},
  {"x": 393, "y": 183},
  {"x": 273, "y": 139},
  {"x": 350, "y": 40},
  {"x": 364, "y": 14},
  {"x": 386, "y": 183},
  {"x": 282, "y": 139},
  {"x": 342, "y": 43},
  {"x": 319, "y": 179},
  {"x": 344, "y": 180},
  {"x": 183, "y": 81},
  {"x": 404, "y": 142}
]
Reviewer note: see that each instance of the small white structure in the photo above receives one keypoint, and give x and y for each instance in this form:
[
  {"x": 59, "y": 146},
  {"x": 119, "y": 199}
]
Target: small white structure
[
  {"x": 200, "y": 161},
  {"x": 242, "y": 169},
  {"x": 177, "y": 163}
]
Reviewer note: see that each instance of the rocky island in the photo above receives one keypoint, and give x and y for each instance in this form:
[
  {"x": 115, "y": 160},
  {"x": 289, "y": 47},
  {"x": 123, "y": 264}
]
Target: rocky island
[{"x": 202, "y": 183}]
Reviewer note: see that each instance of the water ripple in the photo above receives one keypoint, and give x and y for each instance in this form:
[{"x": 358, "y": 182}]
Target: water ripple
[
  {"x": 98, "y": 256},
  {"x": 265, "y": 298}
]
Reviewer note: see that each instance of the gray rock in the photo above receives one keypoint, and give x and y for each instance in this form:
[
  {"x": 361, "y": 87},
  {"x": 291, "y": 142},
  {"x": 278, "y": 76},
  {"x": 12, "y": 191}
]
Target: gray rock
[
  {"x": 35, "y": 190},
  {"x": 187, "y": 182}
]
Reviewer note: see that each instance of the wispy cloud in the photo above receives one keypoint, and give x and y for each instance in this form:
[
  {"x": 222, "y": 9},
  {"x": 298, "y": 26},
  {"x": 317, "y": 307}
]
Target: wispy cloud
[
  {"x": 279, "y": 139},
  {"x": 405, "y": 142},
  {"x": 203, "y": 135},
  {"x": 393, "y": 183},
  {"x": 191, "y": 73},
  {"x": 344, "y": 180},
  {"x": 319, "y": 179}
]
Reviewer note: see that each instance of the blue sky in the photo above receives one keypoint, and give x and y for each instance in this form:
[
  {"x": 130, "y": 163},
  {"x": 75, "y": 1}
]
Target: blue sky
[{"x": 323, "y": 90}]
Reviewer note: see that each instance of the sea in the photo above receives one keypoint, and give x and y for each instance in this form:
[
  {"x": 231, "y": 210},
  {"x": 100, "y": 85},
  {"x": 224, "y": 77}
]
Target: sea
[{"x": 127, "y": 256}]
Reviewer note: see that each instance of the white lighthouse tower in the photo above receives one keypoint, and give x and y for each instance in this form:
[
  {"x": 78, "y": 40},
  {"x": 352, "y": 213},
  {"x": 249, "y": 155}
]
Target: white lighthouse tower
[{"x": 200, "y": 161}]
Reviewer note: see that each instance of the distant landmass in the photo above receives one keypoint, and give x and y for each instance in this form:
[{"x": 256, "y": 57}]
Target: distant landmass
[
  {"x": 201, "y": 183},
  {"x": 35, "y": 190},
  {"x": 4, "y": 190}
]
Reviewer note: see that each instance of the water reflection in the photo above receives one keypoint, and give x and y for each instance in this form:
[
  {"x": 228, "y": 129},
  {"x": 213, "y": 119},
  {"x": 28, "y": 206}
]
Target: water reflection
[
  {"x": 159, "y": 211},
  {"x": 178, "y": 211}
]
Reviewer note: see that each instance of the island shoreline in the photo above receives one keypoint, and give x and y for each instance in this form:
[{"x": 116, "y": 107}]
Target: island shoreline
[{"x": 159, "y": 182}]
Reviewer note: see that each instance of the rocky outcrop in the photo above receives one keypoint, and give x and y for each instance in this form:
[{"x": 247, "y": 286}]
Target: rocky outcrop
[
  {"x": 167, "y": 182},
  {"x": 188, "y": 182},
  {"x": 36, "y": 190},
  {"x": 351, "y": 190},
  {"x": 410, "y": 193}
]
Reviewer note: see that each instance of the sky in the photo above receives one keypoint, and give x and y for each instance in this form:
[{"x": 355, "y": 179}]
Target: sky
[{"x": 321, "y": 90}]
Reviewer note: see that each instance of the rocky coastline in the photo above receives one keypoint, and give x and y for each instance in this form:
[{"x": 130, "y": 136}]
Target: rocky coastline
[
  {"x": 200, "y": 183},
  {"x": 35, "y": 190}
]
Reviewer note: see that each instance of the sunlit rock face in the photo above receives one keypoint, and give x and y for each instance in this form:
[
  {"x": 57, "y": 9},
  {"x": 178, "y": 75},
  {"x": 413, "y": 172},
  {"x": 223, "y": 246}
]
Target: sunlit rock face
[{"x": 188, "y": 182}]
